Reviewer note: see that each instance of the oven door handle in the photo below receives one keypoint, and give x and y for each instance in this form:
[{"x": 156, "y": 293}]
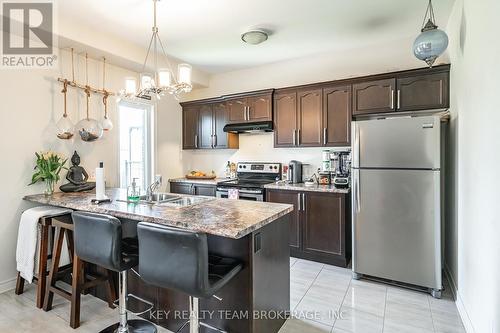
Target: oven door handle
[{"x": 225, "y": 190}]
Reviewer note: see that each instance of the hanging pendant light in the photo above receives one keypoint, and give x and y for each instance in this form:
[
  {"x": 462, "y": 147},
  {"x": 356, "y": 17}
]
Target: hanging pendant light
[
  {"x": 432, "y": 42},
  {"x": 65, "y": 127},
  {"x": 88, "y": 128},
  {"x": 162, "y": 81},
  {"x": 106, "y": 123}
]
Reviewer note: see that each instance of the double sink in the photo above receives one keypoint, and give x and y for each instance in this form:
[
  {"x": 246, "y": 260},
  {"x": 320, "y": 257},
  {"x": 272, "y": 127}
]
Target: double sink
[{"x": 172, "y": 200}]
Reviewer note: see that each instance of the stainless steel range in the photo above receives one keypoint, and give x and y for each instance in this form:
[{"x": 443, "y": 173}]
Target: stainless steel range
[{"x": 251, "y": 179}]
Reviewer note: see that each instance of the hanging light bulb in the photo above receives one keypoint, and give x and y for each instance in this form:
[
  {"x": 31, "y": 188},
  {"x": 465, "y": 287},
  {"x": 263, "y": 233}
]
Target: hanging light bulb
[
  {"x": 65, "y": 127},
  {"x": 432, "y": 42},
  {"x": 130, "y": 86},
  {"x": 164, "y": 78}
]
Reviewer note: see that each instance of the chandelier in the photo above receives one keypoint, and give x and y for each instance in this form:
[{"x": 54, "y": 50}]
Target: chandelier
[
  {"x": 162, "y": 81},
  {"x": 431, "y": 42}
]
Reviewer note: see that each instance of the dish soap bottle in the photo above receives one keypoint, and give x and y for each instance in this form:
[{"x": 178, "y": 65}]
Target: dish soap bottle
[
  {"x": 227, "y": 172},
  {"x": 133, "y": 192}
]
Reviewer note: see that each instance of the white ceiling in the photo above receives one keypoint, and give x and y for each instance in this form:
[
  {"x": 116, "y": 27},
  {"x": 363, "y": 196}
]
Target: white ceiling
[{"x": 206, "y": 33}]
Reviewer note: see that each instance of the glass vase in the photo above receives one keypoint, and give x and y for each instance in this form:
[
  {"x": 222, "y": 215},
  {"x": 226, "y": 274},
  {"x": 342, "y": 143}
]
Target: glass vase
[{"x": 49, "y": 187}]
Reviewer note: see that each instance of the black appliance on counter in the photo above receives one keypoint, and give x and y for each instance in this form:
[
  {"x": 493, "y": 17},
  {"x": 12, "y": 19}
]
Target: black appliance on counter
[
  {"x": 341, "y": 171},
  {"x": 252, "y": 177}
]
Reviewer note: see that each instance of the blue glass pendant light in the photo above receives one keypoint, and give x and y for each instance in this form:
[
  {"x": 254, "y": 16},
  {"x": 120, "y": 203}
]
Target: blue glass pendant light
[{"x": 432, "y": 42}]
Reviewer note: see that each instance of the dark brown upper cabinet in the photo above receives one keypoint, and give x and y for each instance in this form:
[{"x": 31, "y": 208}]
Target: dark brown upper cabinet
[
  {"x": 374, "y": 97},
  {"x": 205, "y": 123},
  {"x": 260, "y": 108},
  {"x": 285, "y": 119},
  {"x": 310, "y": 118},
  {"x": 250, "y": 109},
  {"x": 337, "y": 115},
  {"x": 237, "y": 109},
  {"x": 190, "y": 127},
  {"x": 423, "y": 92},
  {"x": 203, "y": 127}
]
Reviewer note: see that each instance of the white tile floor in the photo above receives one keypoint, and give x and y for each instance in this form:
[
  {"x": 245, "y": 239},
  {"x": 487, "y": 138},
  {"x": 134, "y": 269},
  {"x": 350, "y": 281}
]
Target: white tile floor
[
  {"x": 325, "y": 299},
  {"x": 318, "y": 293}
]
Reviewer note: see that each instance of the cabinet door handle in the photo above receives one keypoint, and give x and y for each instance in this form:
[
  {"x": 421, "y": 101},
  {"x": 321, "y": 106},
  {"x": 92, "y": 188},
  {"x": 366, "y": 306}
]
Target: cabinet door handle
[
  {"x": 298, "y": 137},
  {"x": 303, "y": 202},
  {"x": 298, "y": 202},
  {"x": 392, "y": 98},
  {"x": 248, "y": 113},
  {"x": 215, "y": 140},
  {"x": 294, "y": 136},
  {"x": 212, "y": 141},
  {"x": 196, "y": 140},
  {"x": 399, "y": 99},
  {"x": 324, "y": 136}
]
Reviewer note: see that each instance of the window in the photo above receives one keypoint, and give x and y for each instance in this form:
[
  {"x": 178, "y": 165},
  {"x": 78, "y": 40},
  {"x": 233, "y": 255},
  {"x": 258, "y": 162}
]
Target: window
[{"x": 136, "y": 138}]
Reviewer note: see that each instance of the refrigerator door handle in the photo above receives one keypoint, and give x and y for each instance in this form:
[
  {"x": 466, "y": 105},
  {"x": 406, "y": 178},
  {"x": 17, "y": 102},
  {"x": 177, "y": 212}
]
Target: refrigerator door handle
[
  {"x": 355, "y": 149},
  {"x": 356, "y": 189}
]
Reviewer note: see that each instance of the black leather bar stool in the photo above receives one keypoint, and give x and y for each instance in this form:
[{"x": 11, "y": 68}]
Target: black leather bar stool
[
  {"x": 98, "y": 240},
  {"x": 177, "y": 259}
]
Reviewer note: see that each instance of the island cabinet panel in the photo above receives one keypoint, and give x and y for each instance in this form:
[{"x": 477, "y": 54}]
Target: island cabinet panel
[
  {"x": 337, "y": 115},
  {"x": 320, "y": 227},
  {"x": 285, "y": 119},
  {"x": 374, "y": 97},
  {"x": 237, "y": 109},
  {"x": 292, "y": 198},
  {"x": 206, "y": 126},
  {"x": 190, "y": 127},
  {"x": 310, "y": 118},
  {"x": 260, "y": 108},
  {"x": 423, "y": 92}
]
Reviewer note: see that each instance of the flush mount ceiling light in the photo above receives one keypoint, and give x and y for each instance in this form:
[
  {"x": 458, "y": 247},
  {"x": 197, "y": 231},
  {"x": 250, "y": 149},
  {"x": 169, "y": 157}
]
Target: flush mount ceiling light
[
  {"x": 254, "y": 37},
  {"x": 432, "y": 42},
  {"x": 154, "y": 85}
]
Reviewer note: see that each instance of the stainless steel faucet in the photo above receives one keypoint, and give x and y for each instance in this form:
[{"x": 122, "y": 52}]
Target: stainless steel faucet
[{"x": 154, "y": 186}]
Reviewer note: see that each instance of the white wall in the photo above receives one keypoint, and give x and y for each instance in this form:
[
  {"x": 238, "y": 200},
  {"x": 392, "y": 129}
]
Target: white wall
[
  {"x": 474, "y": 258},
  {"x": 374, "y": 59},
  {"x": 31, "y": 104}
]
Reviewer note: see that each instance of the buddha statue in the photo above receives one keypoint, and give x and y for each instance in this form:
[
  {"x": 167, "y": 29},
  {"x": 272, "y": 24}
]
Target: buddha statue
[{"x": 77, "y": 177}]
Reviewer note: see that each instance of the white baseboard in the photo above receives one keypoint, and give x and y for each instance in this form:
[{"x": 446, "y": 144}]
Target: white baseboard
[
  {"x": 7, "y": 285},
  {"x": 451, "y": 280},
  {"x": 464, "y": 315}
]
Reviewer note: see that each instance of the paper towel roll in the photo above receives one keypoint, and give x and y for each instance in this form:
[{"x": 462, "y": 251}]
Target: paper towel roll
[{"x": 99, "y": 183}]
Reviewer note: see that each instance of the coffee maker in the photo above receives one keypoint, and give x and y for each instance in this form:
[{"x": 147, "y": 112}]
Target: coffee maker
[
  {"x": 295, "y": 172},
  {"x": 341, "y": 168}
]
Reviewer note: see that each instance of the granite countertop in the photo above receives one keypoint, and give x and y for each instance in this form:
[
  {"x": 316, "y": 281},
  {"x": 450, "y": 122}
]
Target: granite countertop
[
  {"x": 220, "y": 217},
  {"x": 198, "y": 181},
  {"x": 309, "y": 188}
]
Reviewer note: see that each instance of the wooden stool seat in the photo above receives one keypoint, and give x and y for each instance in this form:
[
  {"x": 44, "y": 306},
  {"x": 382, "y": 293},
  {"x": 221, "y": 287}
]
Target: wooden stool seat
[{"x": 79, "y": 281}]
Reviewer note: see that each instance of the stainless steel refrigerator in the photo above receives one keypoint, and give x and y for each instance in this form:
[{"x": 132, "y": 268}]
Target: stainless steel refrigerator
[{"x": 397, "y": 199}]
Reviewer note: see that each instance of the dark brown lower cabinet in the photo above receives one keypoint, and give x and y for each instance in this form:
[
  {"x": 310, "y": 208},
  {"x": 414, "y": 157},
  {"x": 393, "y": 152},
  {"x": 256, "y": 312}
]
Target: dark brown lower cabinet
[
  {"x": 320, "y": 227},
  {"x": 192, "y": 189}
]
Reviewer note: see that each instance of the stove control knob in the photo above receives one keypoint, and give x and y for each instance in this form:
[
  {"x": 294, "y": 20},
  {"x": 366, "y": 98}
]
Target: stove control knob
[
  {"x": 244, "y": 167},
  {"x": 240, "y": 166}
]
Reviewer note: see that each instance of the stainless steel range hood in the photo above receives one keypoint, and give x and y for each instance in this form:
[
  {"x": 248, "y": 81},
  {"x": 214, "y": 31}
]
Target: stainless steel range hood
[{"x": 262, "y": 126}]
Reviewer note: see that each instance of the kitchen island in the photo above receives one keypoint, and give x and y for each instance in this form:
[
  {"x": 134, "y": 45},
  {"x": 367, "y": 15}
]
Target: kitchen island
[{"x": 256, "y": 233}]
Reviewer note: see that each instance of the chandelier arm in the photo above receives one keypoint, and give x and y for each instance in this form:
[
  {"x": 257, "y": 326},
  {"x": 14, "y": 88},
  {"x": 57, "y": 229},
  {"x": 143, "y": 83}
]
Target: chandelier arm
[
  {"x": 147, "y": 54},
  {"x": 168, "y": 61}
]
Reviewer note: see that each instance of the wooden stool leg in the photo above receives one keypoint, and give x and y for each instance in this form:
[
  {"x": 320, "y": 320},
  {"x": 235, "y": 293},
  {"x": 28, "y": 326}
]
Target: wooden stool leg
[
  {"x": 76, "y": 292},
  {"x": 19, "y": 284},
  {"x": 56, "y": 255},
  {"x": 42, "y": 265},
  {"x": 70, "y": 243},
  {"x": 111, "y": 289}
]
